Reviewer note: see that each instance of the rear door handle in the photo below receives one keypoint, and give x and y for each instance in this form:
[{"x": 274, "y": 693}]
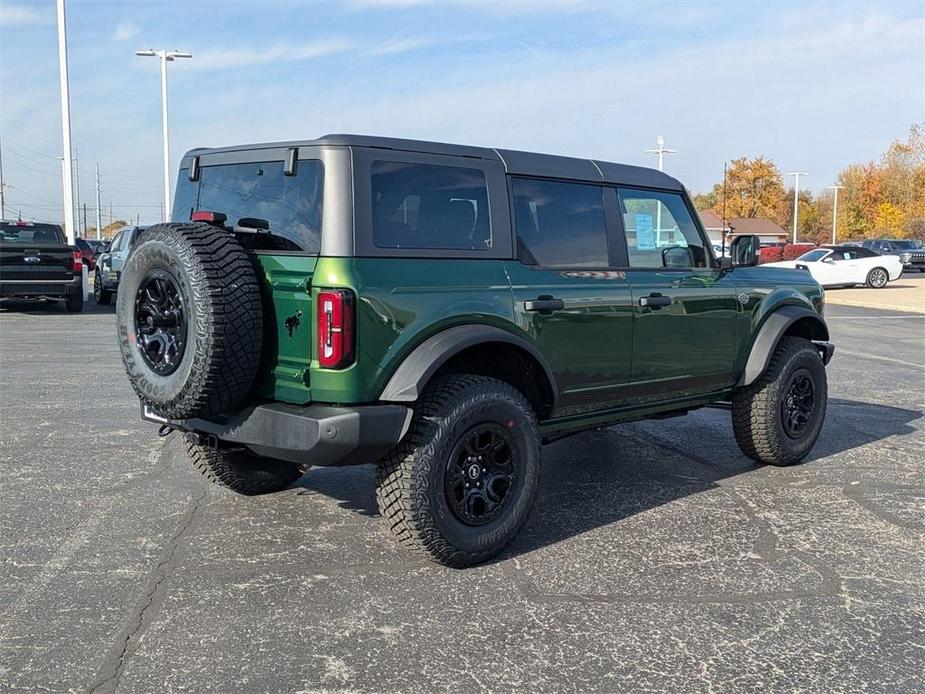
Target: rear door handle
[
  {"x": 544, "y": 304},
  {"x": 655, "y": 301}
]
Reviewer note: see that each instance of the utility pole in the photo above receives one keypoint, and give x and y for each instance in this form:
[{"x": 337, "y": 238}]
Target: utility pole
[
  {"x": 67, "y": 183},
  {"x": 835, "y": 211},
  {"x": 85, "y": 220},
  {"x": 77, "y": 187},
  {"x": 99, "y": 229},
  {"x": 796, "y": 197},
  {"x": 165, "y": 57},
  {"x": 2, "y": 186},
  {"x": 661, "y": 151}
]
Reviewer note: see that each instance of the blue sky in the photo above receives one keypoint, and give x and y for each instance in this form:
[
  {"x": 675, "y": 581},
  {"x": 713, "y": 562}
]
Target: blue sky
[{"x": 814, "y": 86}]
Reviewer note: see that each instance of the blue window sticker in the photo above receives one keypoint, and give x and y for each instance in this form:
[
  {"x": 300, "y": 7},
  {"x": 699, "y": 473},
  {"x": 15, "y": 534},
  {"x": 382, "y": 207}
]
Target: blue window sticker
[{"x": 645, "y": 234}]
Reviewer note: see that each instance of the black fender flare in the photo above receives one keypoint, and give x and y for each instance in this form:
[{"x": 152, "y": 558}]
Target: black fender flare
[
  {"x": 408, "y": 381},
  {"x": 769, "y": 336}
]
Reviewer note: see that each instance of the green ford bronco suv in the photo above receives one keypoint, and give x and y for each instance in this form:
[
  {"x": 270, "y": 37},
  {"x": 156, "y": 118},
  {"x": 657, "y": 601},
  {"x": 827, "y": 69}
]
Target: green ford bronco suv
[{"x": 443, "y": 310}]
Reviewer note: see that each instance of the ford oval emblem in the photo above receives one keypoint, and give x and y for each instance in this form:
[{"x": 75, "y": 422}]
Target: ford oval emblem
[{"x": 32, "y": 259}]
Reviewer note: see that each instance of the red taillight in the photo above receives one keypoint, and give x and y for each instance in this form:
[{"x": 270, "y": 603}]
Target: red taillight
[
  {"x": 208, "y": 217},
  {"x": 78, "y": 261},
  {"x": 335, "y": 328}
]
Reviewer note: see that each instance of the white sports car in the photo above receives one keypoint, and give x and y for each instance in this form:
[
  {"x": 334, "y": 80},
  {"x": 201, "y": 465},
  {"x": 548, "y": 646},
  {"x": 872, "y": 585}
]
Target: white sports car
[{"x": 846, "y": 266}]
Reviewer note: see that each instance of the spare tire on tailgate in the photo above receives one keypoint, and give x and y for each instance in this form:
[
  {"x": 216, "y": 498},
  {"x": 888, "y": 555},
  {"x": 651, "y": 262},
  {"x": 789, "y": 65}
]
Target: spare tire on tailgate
[{"x": 189, "y": 318}]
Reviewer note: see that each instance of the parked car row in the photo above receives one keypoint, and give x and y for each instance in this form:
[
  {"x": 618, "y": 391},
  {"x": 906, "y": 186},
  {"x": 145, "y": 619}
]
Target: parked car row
[
  {"x": 111, "y": 262},
  {"x": 846, "y": 266}
]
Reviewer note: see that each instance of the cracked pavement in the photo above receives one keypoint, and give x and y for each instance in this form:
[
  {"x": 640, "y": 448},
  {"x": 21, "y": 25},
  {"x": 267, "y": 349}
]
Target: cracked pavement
[{"x": 657, "y": 557}]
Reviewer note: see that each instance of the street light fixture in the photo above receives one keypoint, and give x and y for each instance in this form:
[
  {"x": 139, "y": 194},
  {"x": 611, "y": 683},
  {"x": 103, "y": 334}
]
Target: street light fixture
[
  {"x": 165, "y": 57},
  {"x": 835, "y": 211},
  {"x": 661, "y": 150},
  {"x": 796, "y": 198},
  {"x": 66, "y": 181}
]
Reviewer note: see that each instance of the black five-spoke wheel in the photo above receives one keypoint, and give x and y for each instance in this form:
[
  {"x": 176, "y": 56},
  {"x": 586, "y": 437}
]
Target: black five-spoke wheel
[
  {"x": 480, "y": 474},
  {"x": 160, "y": 321},
  {"x": 798, "y": 403}
]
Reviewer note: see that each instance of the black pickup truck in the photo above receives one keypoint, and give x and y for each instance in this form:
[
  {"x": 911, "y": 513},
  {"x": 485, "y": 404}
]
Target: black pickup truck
[{"x": 36, "y": 262}]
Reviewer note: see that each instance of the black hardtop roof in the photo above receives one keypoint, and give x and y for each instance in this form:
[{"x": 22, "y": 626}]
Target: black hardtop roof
[{"x": 514, "y": 162}]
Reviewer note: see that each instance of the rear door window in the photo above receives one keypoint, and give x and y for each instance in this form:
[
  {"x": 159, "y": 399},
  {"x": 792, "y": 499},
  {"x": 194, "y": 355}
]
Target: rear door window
[
  {"x": 426, "y": 206},
  {"x": 291, "y": 205},
  {"x": 560, "y": 224}
]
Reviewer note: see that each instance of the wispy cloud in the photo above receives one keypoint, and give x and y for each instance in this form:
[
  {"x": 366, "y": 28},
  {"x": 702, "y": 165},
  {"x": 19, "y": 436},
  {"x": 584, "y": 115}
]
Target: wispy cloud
[
  {"x": 19, "y": 15},
  {"x": 279, "y": 52},
  {"x": 290, "y": 52},
  {"x": 126, "y": 30}
]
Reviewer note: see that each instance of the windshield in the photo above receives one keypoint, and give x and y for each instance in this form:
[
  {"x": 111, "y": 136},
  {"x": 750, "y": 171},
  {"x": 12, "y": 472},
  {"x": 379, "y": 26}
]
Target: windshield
[
  {"x": 291, "y": 205},
  {"x": 905, "y": 245},
  {"x": 31, "y": 233},
  {"x": 813, "y": 256}
]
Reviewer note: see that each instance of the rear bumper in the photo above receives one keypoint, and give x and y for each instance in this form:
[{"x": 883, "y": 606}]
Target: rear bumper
[
  {"x": 35, "y": 288},
  {"x": 308, "y": 435}
]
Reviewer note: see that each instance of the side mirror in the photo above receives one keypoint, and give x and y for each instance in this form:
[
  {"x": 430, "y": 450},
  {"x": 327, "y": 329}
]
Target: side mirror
[
  {"x": 744, "y": 250},
  {"x": 677, "y": 256}
]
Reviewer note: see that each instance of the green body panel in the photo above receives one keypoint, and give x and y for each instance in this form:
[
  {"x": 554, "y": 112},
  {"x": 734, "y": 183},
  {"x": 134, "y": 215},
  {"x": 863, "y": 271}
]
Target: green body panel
[
  {"x": 613, "y": 359},
  {"x": 284, "y": 368},
  {"x": 400, "y": 303},
  {"x": 768, "y": 289},
  {"x": 690, "y": 346},
  {"x": 589, "y": 343}
]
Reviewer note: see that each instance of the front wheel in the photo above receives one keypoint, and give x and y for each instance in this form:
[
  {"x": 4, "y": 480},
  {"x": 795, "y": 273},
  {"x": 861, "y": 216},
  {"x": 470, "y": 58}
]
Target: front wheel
[
  {"x": 101, "y": 295},
  {"x": 877, "y": 278},
  {"x": 777, "y": 419},
  {"x": 461, "y": 484}
]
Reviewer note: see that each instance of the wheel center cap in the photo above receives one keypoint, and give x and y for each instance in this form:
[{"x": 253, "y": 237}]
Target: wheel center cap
[{"x": 474, "y": 471}]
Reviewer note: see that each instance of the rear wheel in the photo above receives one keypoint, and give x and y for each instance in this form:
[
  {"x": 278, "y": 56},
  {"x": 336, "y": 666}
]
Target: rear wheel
[
  {"x": 461, "y": 484},
  {"x": 777, "y": 419},
  {"x": 239, "y": 470},
  {"x": 101, "y": 295},
  {"x": 877, "y": 278}
]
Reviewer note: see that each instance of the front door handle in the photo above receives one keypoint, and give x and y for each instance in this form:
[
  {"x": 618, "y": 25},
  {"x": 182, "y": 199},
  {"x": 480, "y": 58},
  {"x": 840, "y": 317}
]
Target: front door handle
[
  {"x": 544, "y": 303},
  {"x": 655, "y": 301}
]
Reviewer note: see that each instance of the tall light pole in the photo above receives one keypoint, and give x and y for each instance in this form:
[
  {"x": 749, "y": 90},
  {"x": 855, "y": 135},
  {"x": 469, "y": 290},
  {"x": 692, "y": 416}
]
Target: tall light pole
[
  {"x": 835, "y": 211},
  {"x": 661, "y": 151},
  {"x": 165, "y": 57},
  {"x": 796, "y": 197},
  {"x": 67, "y": 182}
]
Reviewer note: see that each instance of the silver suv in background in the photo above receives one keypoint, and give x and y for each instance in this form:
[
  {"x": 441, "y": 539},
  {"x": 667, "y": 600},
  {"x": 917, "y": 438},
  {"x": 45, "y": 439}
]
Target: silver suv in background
[
  {"x": 109, "y": 265},
  {"x": 910, "y": 253}
]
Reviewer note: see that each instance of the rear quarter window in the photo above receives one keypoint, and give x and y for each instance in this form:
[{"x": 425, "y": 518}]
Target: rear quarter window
[{"x": 426, "y": 206}]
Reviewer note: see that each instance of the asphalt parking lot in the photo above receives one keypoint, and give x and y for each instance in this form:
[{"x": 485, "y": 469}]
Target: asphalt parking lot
[{"x": 657, "y": 557}]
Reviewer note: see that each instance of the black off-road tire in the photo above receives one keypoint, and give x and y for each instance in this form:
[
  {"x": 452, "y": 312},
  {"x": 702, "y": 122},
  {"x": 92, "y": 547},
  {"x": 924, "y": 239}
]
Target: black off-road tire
[
  {"x": 241, "y": 471},
  {"x": 223, "y": 318},
  {"x": 75, "y": 301},
  {"x": 411, "y": 479},
  {"x": 102, "y": 295},
  {"x": 877, "y": 278},
  {"x": 757, "y": 409}
]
